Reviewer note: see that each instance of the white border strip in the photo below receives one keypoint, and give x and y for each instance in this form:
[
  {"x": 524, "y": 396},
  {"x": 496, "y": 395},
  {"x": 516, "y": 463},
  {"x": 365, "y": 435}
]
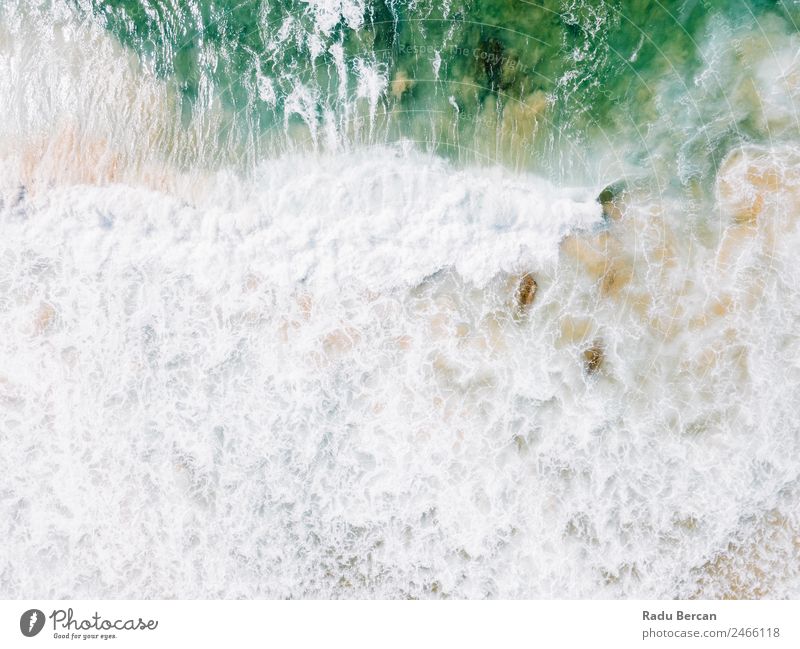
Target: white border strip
[{"x": 405, "y": 625}]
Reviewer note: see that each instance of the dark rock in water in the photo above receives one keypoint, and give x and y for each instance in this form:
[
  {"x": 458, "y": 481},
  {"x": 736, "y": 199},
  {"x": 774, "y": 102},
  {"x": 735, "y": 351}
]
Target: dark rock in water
[
  {"x": 611, "y": 192},
  {"x": 526, "y": 292},
  {"x": 606, "y": 196},
  {"x": 608, "y": 199},
  {"x": 593, "y": 357}
]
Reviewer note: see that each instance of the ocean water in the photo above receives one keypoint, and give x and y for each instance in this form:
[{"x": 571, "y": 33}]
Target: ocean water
[{"x": 410, "y": 299}]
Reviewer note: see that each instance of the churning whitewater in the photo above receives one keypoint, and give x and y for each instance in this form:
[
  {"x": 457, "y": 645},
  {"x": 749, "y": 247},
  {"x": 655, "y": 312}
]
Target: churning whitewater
[{"x": 303, "y": 299}]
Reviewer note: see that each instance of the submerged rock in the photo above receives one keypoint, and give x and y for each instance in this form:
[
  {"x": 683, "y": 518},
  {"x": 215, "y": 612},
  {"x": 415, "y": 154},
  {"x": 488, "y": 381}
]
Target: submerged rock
[
  {"x": 609, "y": 200},
  {"x": 401, "y": 84},
  {"x": 593, "y": 357},
  {"x": 493, "y": 56},
  {"x": 526, "y": 292}
]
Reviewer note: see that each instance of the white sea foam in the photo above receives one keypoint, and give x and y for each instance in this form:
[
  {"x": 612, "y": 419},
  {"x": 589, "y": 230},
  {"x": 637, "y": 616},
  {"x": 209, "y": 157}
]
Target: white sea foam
[{"x": 258, "y": 393}]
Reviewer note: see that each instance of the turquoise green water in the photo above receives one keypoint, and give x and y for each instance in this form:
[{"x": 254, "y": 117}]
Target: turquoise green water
[{"x": 527, "y": 83}]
